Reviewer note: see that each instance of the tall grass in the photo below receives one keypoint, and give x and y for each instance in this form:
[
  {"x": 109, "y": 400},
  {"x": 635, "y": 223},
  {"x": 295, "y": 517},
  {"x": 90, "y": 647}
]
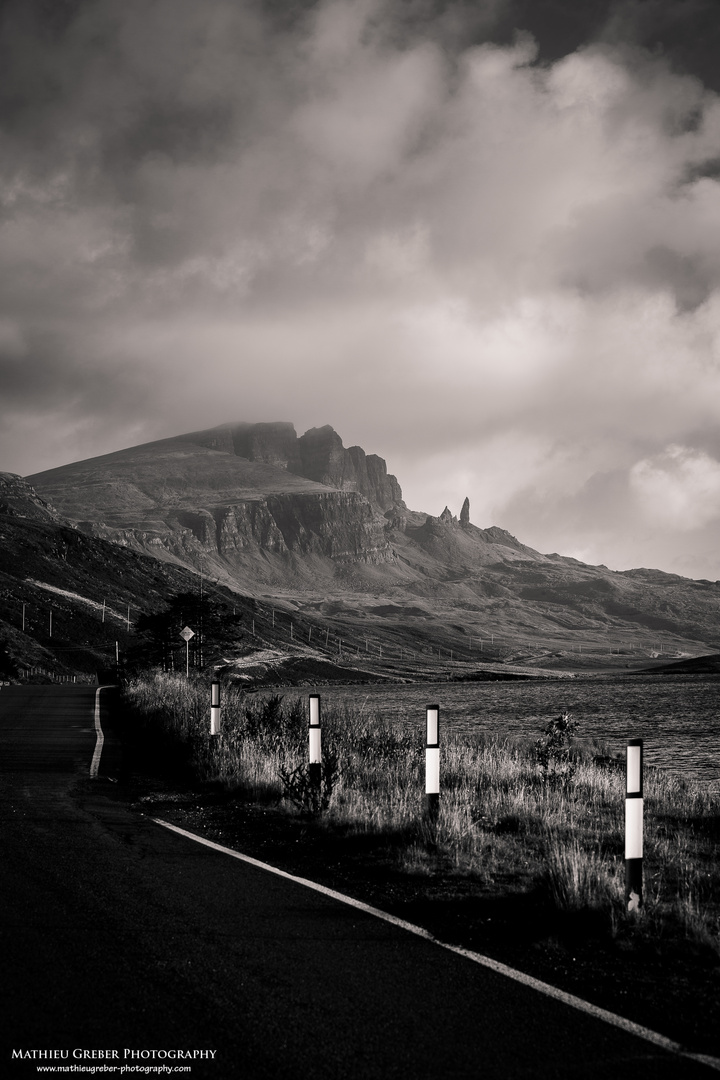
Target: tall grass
[{"x": 504, "y": 819}]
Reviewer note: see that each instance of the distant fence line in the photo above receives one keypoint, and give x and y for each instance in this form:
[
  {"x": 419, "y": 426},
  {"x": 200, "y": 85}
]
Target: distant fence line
[
  {"x": 490, "y": 647},
  {"x": 27, "y": 673}
]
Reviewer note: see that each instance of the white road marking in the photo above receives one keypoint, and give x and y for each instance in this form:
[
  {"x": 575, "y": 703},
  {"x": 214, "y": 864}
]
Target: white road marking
[
  {"x": 486, "y": 961},
  {"x": 95, "y": 764}
]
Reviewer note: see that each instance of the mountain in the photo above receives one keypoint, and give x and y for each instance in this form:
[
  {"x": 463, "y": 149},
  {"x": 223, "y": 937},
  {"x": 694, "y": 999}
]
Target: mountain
[
  {"x": 319, "y": 539},
  {"x": 254, "y": 504}
]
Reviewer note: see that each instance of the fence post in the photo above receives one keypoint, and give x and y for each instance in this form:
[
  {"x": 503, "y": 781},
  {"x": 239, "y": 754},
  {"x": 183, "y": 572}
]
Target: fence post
[
  {"x": 432, "y": 762},
  {"x": 634, "y": 825},
  {"x": 215, "y": 708},
  {"x": 314, "y": 741}
]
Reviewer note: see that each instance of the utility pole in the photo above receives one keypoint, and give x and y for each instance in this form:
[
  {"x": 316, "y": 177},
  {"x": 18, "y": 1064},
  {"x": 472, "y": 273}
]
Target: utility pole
[{"x": 200, "y": 635}]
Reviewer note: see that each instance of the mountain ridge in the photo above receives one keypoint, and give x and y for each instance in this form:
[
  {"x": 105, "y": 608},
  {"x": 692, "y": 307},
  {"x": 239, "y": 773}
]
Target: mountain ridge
[{"x": 360, "y": 563}]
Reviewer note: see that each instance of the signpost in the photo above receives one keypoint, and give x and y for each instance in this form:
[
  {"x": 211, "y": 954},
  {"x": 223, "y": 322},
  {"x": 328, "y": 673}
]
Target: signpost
[{"x": 186, "y": 633}]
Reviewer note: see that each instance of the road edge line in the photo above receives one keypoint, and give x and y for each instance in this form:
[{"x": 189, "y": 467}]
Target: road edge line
[
  {"x": 100, "y": 736},
  {"x": 478, "y": 958}
]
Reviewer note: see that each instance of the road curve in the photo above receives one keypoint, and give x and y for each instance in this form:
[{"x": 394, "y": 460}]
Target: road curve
[{"x": 124, "y": 944}]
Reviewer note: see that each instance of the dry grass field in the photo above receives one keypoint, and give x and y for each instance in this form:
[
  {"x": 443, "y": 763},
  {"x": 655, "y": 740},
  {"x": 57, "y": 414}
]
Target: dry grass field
[{"x": 506, "y": 821}]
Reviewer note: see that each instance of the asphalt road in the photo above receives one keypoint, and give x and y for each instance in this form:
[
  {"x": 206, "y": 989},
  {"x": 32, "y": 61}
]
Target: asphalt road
[{"x": 121, "y": 937}]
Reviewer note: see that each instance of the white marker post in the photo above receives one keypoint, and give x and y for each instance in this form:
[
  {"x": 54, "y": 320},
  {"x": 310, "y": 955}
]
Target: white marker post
[
  {"x": 634, "y": 825},
  {"x": 215, "y": 708},
  {"x": 432, "y": 762},
  {"x": 314, "y": 740}
]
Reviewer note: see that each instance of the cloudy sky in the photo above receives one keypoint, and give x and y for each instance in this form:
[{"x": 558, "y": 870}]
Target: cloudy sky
[{"x": 481, "y": 239}]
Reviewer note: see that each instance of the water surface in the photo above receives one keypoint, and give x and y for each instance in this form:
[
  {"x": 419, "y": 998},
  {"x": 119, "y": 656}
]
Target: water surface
[{"x": 677, "y": 716}]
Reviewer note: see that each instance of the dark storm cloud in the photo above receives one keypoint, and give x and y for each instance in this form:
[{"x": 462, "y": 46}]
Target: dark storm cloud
[{"x": 479, "y": 238}]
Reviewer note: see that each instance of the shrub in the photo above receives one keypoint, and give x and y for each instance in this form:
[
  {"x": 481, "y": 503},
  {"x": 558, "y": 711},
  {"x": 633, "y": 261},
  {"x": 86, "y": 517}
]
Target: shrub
[
  {"x": 301, "y": 787},
  {"x": 553, "y": 750}
]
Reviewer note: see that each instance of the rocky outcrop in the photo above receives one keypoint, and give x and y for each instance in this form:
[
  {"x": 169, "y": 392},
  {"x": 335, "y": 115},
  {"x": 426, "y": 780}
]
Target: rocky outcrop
[
  {"x": 465, "y": 514},
  {"x": 19, "y": 499},
  {"x": 317, "y": 455},
  {"x": 373, "y": 480},
  {"x": 396, "y": 518},
  {"x": 323, "y": 458}
]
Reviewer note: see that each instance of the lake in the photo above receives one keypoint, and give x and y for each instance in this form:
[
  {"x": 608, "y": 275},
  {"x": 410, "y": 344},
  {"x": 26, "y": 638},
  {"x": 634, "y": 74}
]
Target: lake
[{"x": 677, "y": 716}]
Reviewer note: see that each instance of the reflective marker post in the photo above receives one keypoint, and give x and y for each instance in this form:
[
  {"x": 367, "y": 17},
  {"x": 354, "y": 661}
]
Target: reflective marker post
[
  {"x": 215, "y": 708},
  {"x": 314, "y": 740},
  {"x": 432, "y": 762},
  {"x": 634, "y": 825}
]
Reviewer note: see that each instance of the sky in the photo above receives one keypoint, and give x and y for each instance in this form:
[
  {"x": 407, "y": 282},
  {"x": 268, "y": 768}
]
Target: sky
[{"x": 480, "y": 239}]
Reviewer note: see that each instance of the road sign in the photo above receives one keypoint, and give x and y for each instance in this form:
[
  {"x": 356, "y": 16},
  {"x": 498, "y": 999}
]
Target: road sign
[{"x": 186, "y": 633}]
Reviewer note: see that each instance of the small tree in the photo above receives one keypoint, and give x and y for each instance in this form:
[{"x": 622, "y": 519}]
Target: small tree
[
  {"x": 553, "y": 750},
  {"x": 157, "y": 634}
]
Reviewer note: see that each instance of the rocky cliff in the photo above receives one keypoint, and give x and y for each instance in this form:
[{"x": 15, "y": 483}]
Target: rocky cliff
[
  {"x": 317, "y": 455},
  {"x": 324, "y": 458},
  {"x": 335, "y": 525}
]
